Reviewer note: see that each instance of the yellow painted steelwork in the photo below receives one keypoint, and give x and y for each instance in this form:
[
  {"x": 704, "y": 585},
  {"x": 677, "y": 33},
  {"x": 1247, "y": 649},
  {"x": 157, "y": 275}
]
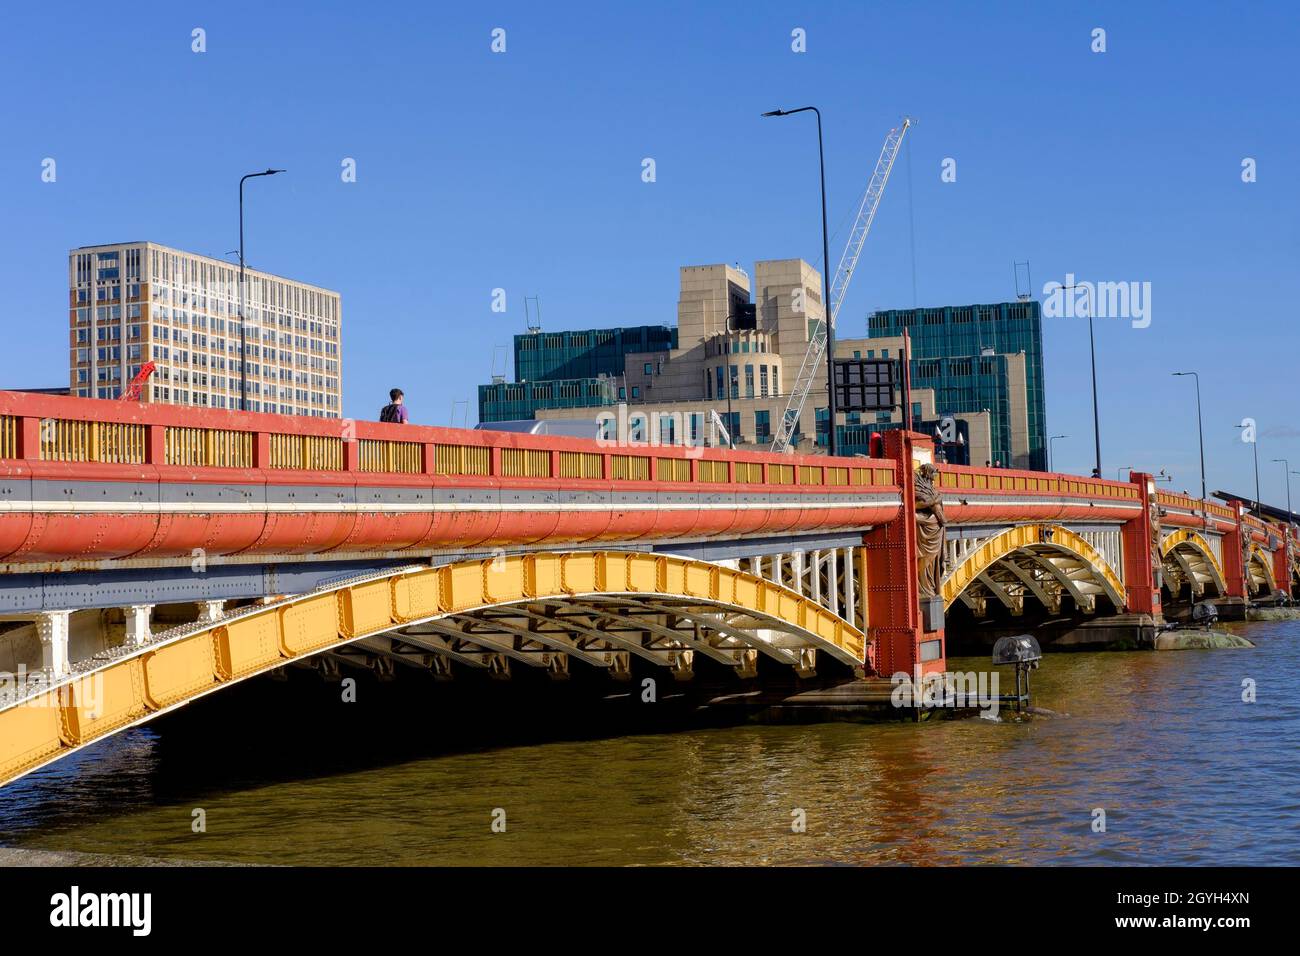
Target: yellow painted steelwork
[
  {"x": 1265, "y": 561},
  {"x": 1194, "y": 539},
  {"x": 1031, "y": 537},
  {"x": 178, "y": 667}
]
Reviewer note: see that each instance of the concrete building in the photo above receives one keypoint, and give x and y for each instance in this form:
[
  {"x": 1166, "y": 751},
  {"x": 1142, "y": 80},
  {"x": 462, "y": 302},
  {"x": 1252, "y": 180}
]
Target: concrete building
[
  {"x": 135, "y": 302},
  {"x": 739, "y": 348}
]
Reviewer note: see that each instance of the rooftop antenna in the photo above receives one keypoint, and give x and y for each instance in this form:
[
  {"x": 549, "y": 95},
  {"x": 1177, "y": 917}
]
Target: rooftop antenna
[
  {"x": 498, "y": 377},
  {"x": 1028, "y": 294},
  {"x": 533, "y": 318}
]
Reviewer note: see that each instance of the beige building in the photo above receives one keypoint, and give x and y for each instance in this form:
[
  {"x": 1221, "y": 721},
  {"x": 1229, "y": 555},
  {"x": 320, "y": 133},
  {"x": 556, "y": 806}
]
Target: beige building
[
  {"x": 754, "y": 336},
  {"x": 135, "y": 302}
]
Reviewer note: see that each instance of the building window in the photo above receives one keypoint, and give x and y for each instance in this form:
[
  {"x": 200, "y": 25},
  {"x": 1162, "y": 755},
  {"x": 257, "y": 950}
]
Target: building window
[
  {"x": 636, "y": 392},
  {"x": 762, "y": 426},
  {"x": 762, "y": 381},
  {"x": 649, "y": 369},
  {"x": 749, "y": 381}
]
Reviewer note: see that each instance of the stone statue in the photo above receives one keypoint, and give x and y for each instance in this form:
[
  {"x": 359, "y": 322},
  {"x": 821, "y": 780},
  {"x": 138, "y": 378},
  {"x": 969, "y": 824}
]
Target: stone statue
[{"x": 930, "y": 523}]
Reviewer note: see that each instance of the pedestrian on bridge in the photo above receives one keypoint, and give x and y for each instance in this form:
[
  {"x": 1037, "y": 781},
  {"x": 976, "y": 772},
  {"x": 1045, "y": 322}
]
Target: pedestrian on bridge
[{"x": 395, "y": 411}]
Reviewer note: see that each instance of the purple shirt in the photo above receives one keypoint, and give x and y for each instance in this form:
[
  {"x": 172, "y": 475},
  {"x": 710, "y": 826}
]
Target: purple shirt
[{"x": 399, "y": 414}]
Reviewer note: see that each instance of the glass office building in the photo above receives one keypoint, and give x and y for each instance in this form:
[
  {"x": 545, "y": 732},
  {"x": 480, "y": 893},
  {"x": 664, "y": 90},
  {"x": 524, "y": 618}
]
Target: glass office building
[
  {"x": 981, "y": 357},
  {"x": 578, "y": 369}
]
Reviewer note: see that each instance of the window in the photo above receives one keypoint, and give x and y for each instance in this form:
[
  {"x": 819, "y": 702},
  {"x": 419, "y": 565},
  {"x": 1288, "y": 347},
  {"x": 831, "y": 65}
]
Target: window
[
  {"x": 636, "y": 392},
  {"x": 762, "y": 426},
  {"x": 649, "y": 369},
  {"x": 749, "y": 381},
  {"x": 762, "y": 381}
]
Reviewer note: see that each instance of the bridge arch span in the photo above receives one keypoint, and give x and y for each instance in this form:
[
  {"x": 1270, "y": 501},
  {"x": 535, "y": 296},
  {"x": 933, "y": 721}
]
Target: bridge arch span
[
  {"x": 1187, "y": 556},
  {"x": 1259, "y": 571},
  {"x": 542, "y": 610},
  {"x": 1044, "y": 561}
]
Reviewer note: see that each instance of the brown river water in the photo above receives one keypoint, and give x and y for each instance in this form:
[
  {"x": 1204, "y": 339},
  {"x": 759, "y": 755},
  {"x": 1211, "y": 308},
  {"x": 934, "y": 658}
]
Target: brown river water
[{"x": 1185, "y": 771}]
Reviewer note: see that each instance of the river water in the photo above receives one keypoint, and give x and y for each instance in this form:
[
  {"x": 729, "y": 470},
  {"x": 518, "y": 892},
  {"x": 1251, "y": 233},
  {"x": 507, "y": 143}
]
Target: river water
[{"x": 1184, "y": 770}]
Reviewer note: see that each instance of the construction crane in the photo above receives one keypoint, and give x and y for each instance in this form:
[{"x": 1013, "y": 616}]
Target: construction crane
[
  {"x": 134, "y": 391},
  {"x": 812, "y": 360}
]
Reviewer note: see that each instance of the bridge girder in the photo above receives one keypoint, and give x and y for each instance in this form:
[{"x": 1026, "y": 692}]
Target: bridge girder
[
  {"x": 534, "y": 610},
  {"x": 1066, "y": 557}
]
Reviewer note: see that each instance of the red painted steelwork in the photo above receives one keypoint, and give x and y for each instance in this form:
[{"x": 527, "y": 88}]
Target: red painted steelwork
[{"x": 89, "y": 531}]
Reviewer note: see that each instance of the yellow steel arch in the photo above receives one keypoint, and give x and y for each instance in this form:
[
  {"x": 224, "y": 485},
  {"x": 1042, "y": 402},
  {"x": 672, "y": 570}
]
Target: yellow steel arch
[
  {"x": 1181, "y": 537},
  {"x": 182, "y": 665},
  {"x": 1042, "y": 539},
  {"x": 1265, "y": 561}
]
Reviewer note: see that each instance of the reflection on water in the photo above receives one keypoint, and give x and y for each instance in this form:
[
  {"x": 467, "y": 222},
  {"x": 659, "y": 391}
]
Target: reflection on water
[{"x": 1186, "y": 773}]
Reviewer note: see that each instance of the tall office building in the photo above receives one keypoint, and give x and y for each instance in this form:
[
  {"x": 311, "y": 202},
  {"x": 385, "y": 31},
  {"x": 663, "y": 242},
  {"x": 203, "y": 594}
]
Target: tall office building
[
  {"x": 985, "y": 358},
  {"x": 578, "y": 369},
  {"x": 738, "y": 349},
  {"x": 134, "y": 302}
]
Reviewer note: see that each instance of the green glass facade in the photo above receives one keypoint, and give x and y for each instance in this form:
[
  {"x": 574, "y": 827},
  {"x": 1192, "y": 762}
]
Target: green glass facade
[
  {"x": 962, "y": 353},
  {"x": 544, "y": 356},
  {"x": 564, "y": 369},
  {"x": 513, "y": 401}
]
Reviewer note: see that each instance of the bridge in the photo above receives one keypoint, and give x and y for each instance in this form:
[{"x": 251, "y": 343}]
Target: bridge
[{"x": 153, "y": 555}]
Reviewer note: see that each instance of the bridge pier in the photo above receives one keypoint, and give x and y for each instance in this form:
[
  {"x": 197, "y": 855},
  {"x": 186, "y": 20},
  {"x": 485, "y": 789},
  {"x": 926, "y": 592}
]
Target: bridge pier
[{"x": 892, "y": 594}]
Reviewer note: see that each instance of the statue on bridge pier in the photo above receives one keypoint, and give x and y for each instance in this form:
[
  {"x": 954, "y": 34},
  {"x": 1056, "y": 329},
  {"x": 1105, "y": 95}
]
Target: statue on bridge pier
[{"x": 930, "y": 523}]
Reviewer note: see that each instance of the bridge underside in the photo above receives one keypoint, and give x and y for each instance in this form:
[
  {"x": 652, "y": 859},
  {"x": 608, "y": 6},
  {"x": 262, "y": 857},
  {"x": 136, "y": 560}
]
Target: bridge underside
[
  {"x": 552, "y": 612},
  {"x": 1045, "y": 563}
]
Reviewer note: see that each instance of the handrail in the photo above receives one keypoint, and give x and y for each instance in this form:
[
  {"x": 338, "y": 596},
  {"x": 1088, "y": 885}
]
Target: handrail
[{"x": 65, "y": 429}]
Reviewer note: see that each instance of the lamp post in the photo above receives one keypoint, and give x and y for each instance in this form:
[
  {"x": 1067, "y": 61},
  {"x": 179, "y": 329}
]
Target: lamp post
[
  {"x": 826, "y": 264},
  {"x": 1200, "y": 432},
  {"x": 1119, "y": 473},
  {"x": 1049, "y": 449},
  {"x": 1288, "y": 494},
  {"x": 1286, "y": 476},
  {"x": 1255, "y": 445},
  {"x": 1092, "y": 349},
  {"x": 243, "y": 361}
]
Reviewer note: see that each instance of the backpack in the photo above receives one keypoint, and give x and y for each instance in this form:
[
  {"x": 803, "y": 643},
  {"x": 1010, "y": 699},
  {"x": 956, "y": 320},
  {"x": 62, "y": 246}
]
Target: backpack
[{"x": 388, "y": 413}]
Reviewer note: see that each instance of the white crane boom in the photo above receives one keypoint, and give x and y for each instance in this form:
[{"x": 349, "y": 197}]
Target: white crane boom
[{"x": 812, "y": 360}]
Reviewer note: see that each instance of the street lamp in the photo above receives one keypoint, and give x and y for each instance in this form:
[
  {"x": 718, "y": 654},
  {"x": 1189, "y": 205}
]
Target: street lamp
[
  {"x": 1200, "y": 431},
  {"x": 826, "y": 264},
  {"x": 1092, "y": 349},
  {"x": 1255, "y": 445},
  {"x": 1286, "y": 476},
  {"x": 1049, "y": 449},
  {"x": 1119, "y": 474},
  {"x": 1288, "y": 495},
  {"x": 243, "y": 361}
]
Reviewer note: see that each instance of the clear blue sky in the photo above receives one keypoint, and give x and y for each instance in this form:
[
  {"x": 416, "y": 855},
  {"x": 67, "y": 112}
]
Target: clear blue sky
[{"x": 522, "y": 170}]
